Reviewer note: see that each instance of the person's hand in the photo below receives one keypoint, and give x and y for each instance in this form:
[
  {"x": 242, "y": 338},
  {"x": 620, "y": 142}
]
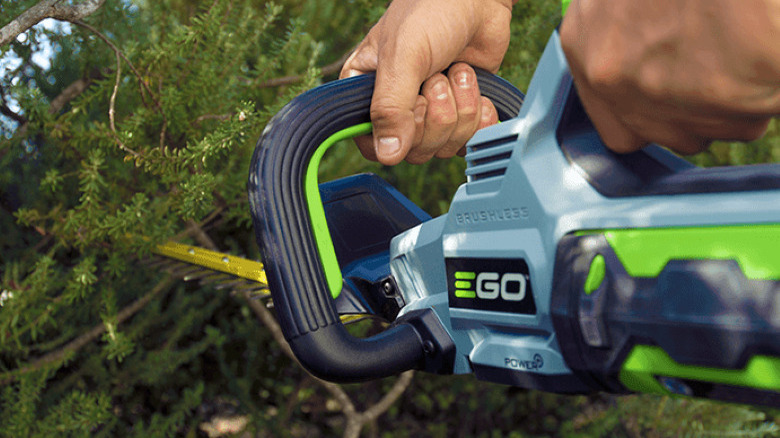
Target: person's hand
[
  {"x": 680, "y": 73},
  {"x": 418, "y": 112}
]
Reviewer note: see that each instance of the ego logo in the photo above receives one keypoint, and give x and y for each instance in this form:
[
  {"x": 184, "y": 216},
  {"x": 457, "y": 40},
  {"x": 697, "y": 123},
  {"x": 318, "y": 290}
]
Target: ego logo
[{"x": 490, "y": 284}]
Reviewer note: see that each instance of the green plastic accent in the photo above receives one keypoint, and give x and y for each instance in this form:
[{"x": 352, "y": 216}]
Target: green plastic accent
[
  {"x": 317, "y": 212},
  {"x": 465, "y": 294},
  {"x": 645, "y": 362},
  {"x": 462, "y": 275},
  {"x": 645, "y": 251},
  {"x": 564, "y": 6},
  {"x": 598, "y": 269},
  {"x": 462, "y": 284}
]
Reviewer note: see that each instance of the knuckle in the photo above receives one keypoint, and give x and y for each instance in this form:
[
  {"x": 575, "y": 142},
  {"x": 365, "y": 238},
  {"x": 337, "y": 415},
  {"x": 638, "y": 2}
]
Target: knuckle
[
  {"x": 384, "y": 108},
  {"x": 621, "y": 141},
  {"x": 652, "y": 80},
  {"x": 603, "y": 74},
  {"x": 443, "y": 117},
  {"x": 467, "y": 108},
  {"x": 385, "y": 111}
]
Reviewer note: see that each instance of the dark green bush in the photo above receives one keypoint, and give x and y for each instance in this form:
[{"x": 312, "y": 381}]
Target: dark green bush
[{"x": 155, "y": 145}]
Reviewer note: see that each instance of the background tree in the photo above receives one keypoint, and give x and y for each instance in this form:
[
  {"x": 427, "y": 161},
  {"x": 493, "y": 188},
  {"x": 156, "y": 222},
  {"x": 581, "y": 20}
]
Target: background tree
[{"x": 129, "y": 123}]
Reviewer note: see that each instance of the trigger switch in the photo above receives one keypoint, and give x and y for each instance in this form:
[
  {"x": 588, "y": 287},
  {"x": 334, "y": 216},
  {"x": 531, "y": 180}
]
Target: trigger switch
[{"x": 592, "y": 304}]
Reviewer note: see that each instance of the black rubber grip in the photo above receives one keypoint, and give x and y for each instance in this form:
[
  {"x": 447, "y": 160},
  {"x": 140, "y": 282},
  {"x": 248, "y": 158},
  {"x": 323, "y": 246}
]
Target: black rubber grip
[{"x": 284, "y": 232}]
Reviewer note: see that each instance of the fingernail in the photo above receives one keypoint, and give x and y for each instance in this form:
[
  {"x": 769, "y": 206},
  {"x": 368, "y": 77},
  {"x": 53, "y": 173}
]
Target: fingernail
[
  {"x": 440, "y": 90},
  {"x": 462, "y": 78},
  {"x": 419, "y": 114},
  {"x": 485, "y": 112},
  {"x": 387, "y": 145}
]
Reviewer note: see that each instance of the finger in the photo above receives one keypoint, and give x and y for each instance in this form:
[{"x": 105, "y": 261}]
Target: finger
[
  {"x": 365, "y": 144},
  {"x": 683, "y": 142},
  {"x": 394, "y": 128},
  {"x": 364, "y": 58},
  {"x": 420, "y": 109},
  {"x": 392, "y": 108},
  {"x": 463, "y": 83},
  {"x": 487, "y": 115},
  {"x": 441, "y": 118},
  {"x": 407, "y": 56},
  {"x": 687, "y": 137},
  {"x": 613, "y": 132},
  {"x": 738, "y": 129},
  {"x": 616, "y": 136},
  {"x": 361, "y": 61}
]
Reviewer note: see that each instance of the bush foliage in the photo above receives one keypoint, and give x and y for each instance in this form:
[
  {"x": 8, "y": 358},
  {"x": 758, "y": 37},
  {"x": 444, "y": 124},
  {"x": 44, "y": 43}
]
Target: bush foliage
[{"x": 139, "y": 131}]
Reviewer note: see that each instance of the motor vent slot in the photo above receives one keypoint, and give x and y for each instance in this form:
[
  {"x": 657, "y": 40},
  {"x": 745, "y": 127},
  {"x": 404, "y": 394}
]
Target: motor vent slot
[{"x": 489, "y": 159}]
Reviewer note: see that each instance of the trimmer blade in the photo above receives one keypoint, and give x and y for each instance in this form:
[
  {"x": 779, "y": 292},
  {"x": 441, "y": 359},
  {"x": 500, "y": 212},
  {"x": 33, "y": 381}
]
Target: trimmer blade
[{"x": 220, "y": 271}]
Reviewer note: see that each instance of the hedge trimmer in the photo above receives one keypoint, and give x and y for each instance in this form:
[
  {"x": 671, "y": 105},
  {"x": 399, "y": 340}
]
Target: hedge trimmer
[{"x": 560, "y": 266}]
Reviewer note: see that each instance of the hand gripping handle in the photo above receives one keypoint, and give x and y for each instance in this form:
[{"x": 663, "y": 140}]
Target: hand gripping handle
[{"x": 296, "y": 261}]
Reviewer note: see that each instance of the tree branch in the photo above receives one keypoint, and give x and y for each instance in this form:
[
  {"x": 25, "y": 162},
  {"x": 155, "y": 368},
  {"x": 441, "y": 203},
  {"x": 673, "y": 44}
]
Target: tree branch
[
  {"x": 388, "y": 399},
  {"x": 220, "y": 117},
  {"x": 195, "y": 229},
  {"x": 112, "y": 108},
  {"x": 121, "y": 56},
  {"x": 18, "y": 118},
  {"x": 57, "y": 9},
  {"x": 78, "y": 343},
  {"x": 329, "y": 69},
  {"x": 354, "y": 420},
  {"x": 200, "y": 236},
  {"x": 69, "y": 93},
  {"x": 269, "y": 321},
  {"x": 8, "y": 112}
]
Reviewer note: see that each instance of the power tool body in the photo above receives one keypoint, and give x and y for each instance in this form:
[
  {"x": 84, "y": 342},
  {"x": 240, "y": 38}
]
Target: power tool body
[{"x": 560, "y": 266}]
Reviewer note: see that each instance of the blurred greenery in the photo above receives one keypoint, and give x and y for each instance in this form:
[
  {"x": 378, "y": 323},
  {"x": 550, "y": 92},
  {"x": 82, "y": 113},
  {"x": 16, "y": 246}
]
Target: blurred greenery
[{"x": 82, "y": 201}]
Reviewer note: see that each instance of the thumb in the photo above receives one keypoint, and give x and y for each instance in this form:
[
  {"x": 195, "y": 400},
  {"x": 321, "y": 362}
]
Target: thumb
[
  {"x": 396, "y": 96},
  {"x": 393, "y": 121},
  {"x": 392, "y": 103}
]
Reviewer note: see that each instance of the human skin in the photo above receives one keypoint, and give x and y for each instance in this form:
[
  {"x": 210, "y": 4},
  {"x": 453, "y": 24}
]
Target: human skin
[
  {"x": 418, "y": 112},
  {"x": 680, "y": 73}
]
